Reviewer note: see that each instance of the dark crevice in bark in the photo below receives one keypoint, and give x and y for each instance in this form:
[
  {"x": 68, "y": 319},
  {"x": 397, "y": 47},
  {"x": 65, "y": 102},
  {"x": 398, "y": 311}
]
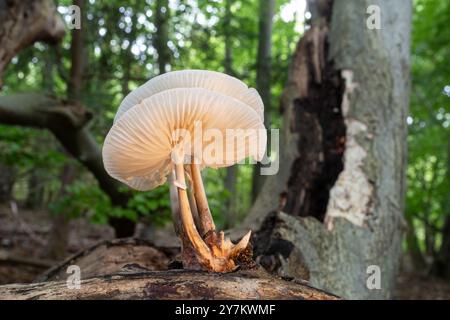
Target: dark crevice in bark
[
  {"x": 321, "y": 145},
  {"x": 268, "y": 246},
  {"x": 317, "y": 119}
]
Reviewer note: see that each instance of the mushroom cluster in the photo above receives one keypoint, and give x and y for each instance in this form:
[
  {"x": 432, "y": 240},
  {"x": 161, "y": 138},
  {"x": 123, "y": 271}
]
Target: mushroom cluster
[{"x": 175, "y": 125}]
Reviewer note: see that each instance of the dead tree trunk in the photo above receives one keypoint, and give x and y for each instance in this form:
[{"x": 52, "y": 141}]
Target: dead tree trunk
[{"x": 338, "y": 198}]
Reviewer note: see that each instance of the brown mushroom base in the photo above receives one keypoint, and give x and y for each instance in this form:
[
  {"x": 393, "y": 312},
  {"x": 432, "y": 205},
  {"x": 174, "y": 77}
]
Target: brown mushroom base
[{"x": 212, "y": 251}]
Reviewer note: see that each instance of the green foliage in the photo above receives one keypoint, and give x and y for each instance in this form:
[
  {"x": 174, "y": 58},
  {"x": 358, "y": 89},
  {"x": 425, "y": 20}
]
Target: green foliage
[
  {"x": 83, "y": 199},
  {"x": 428, "y": 196}
]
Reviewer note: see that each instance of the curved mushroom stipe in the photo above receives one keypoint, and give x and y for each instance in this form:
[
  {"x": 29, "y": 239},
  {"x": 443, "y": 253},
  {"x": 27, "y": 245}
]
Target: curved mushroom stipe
[
  {"x": 215, "y": 252},
  {"x": 206, "y": 220}
]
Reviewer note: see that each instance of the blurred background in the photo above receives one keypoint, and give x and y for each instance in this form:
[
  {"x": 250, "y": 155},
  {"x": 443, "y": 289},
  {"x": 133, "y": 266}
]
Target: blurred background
[{"x": 51, "y": 205}]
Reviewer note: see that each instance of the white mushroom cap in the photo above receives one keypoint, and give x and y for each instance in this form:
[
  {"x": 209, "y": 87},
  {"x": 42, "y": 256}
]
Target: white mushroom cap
[
  {"x": 138, "y": 148},
  {"x": 211, "y": 80}
]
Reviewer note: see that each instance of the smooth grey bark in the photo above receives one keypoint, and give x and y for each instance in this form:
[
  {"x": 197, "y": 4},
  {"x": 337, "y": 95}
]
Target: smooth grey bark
[
  {"x": 263, "y": 77},
  {"x": 363, "y": 216}
]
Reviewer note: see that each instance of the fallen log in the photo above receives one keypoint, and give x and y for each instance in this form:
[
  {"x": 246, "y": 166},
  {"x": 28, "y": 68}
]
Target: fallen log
[
  {"x": 171, "y": 285},
  {"x": 111, "y": 256},
  {"x": 8, "y": 258},
  {"x": 136, "y": 269}
]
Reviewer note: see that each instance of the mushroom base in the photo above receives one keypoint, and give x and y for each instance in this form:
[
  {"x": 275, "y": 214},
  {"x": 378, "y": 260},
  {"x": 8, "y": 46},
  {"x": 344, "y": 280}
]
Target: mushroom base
[
  {"x": 201, "y": 244},
  {"x": 228, "y": 257}
]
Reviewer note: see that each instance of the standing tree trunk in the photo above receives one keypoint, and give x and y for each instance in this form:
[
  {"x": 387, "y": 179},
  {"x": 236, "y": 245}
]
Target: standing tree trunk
[
  {"x": 263, "y": 77},
  {"x": 441, "y": 265},
  {"x": 231, "y": 174},
  {"x": 59, "y": 234},
  {"x": 162, "y": 15},
  {"x": 340, "y": 190},
  {"x": 417, "y": 259},
  {"x": 7, "y": 180}
]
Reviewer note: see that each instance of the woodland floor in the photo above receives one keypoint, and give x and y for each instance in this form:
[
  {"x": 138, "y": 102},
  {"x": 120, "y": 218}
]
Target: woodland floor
[{"x": 26, "y": 235}]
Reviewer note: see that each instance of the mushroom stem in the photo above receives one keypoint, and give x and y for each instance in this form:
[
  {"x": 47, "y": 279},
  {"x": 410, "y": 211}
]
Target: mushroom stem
[
  {"x": 202, "y": 250},
  {"x": 192, "y": 203},
  {"x": 174, "y": 204},
  {"x": 205, "y": 217}
]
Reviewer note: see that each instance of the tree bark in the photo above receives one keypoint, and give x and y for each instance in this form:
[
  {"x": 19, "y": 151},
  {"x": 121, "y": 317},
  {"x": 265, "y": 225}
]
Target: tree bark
[
  {"x": 263, "y": 77},
  {"x": 338, "y": 199}
]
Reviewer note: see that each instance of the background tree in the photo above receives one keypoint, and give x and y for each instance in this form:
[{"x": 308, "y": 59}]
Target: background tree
[{"x": 263, "y": 76}]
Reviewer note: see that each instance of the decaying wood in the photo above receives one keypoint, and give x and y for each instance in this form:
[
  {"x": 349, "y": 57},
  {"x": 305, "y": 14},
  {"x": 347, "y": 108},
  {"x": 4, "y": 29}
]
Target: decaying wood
[
  {"x": 8, "y": 258},
  {"x": 175, "y": 284},
  {"x": 136, "y": 269},
  {"x": 112, "y": 256}
]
